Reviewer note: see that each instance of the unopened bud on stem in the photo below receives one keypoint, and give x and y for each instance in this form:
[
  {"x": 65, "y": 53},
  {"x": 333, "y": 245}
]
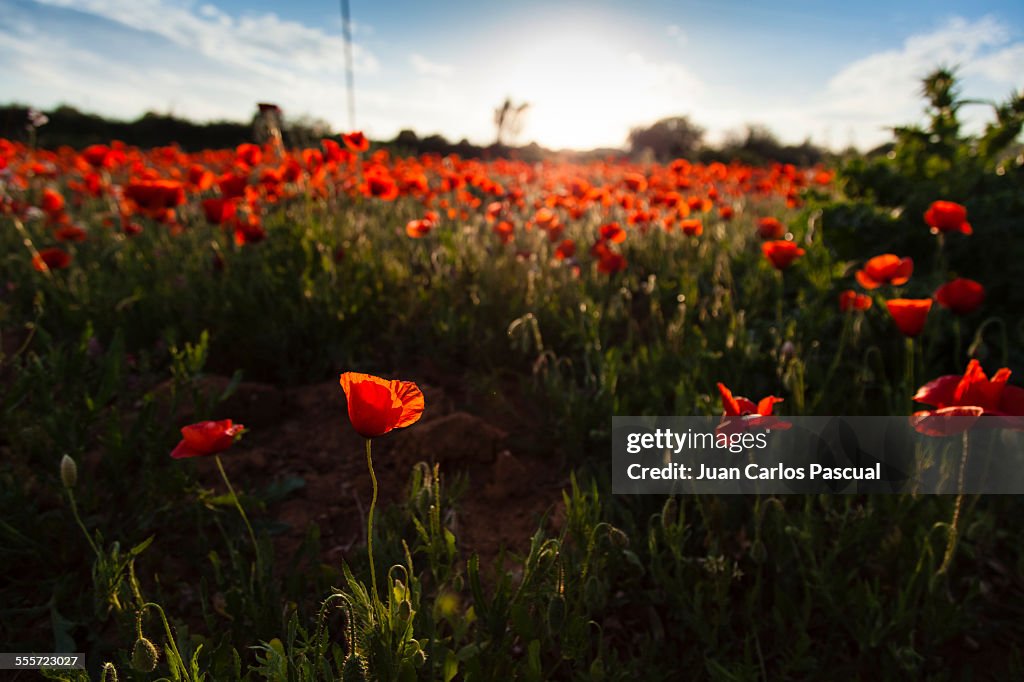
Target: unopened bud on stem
[{"x": 68, "y": 472}]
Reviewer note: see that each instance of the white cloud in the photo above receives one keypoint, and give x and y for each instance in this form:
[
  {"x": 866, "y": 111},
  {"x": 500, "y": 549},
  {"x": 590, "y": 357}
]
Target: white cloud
[
  {"x": 424, "y": 67},
  {"x": 883, "y": 89},
  {"x": 264, "y": 43},
  {"x": 123, "y": 57}
]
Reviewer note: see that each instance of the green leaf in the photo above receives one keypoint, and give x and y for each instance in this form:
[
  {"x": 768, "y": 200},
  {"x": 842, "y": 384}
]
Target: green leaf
[
  {"x": 141, "y": 547},
  {"x": 451, "y": 666}
]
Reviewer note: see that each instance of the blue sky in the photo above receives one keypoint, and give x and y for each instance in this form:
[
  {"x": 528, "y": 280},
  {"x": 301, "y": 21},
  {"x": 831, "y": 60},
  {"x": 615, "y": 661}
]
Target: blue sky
[{"x": 837, "y": 73}]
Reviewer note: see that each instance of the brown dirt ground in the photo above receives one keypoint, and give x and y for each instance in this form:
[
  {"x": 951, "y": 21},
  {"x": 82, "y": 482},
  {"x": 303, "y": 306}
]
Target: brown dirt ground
[{"x": 512, "y": 484}]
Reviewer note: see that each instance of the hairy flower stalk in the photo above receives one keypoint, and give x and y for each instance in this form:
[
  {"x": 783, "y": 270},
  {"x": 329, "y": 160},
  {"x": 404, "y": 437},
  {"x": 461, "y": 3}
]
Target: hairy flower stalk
[{"x": 369, "y": 523}]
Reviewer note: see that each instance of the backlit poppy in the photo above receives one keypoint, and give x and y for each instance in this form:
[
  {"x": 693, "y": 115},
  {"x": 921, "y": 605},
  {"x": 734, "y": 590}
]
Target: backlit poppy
[
  {"x": 995, "y": 396},
  {"x": 418, "y": 228},
  {"x": 885, "y": 269},
  {"x": 356, "y": 141},
  {"x": 219, "y": 210},
  {"x": 851, "y": 300},
  {"x": 97, "y": 155},
  {"x": 249, "y": 154},
  {"x": 636, "y": 182},
  {"x": 505, "y": 231},
  {"x": 742, "y": 413},
  {"x": 613, "y": 233},
  {"x": 781, "y": 253},
  {"x": 51, "y": 259},
  {"x": 691, "y": 227},
  {"x": 155, "y": 196},
  {"x": 962, "y": 295},
  {"x": 376, "y": 406},
  {"x": 770, "y": 228},
  {"x": 71, "y": 233},
  {"x": 909, "y": 314},
  {"x": 960, "y": 400},
  {"x": 52, "y": 202},
  {"x": 206, "y": 438},
  {"x": 567, "y": 249},
  {"x": 947, "y": 216}
]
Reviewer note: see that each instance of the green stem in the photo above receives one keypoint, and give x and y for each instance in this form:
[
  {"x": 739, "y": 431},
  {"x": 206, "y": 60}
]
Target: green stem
[
  {"x": 369, "y": 523},
  {"x": 74, "y": 512},
  {"x": 238, "y": 506},
  {"x": 956, "y": 342},
  {"x": 954, "y": 524},
  {"x": 781, "y": 292},
  {"x": 910, "y": 367}
]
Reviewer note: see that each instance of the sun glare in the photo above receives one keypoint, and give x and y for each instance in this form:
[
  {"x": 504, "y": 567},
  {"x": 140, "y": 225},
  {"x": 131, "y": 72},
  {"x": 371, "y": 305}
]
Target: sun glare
[{"x": 586, "y": 89}]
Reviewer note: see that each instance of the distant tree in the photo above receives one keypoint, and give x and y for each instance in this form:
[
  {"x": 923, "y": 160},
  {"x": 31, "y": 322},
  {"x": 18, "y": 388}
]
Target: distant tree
[
  {"x": 756, "y": 144},
  {"x": 670, "y": 138},
  {"x": 508, "y": 120}
]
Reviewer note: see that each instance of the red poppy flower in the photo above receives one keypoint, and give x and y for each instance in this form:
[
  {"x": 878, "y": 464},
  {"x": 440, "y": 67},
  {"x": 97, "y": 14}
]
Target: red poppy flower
[
  {"x": 613, "y": 232},
  {"x": 909, "y": 314},
  {"x": 962, "y": 296},
  {"x": 781, "y": 253},
  {"x": 249, "y": 154},
  {"x": 973, "y": 394},
  {"x": 851, "y": 300},
  {"x": 608, "y": 262},
  {"x": 200, "y": 178},
  {"x": 691, "y": 227},
  {"x": 419, "y": 228},
  {"x": 380, "y": 184},
  {"x": 219, "y": 210},
  {"x": 636, "y": 182},
  {"x": 356, "y": 141},
  {"x": 155, "y": 196},
  {"x": 611, "y": 263},
  {"x": 947, "y": 216},
  {"x": 51, "y": 259},
  {"x": 249, "y": 231},
  {"x": 206, "y": 438},
  {"x": 995, "y": 396},
  {"x": 741, "y": 413},
  {"x": 770, "y": 228},
  {"x": 71, "y": 233},
  {"x": 885, "y": 269},
  {"x": 567, "y": 249},
  {"x": 376, "y": 406},
  {"x": 52, "y": 202},
  {"x": 505, "y": 231},
  {"x": 97, "y": 155},
  {"x": 232, "y": 186}
]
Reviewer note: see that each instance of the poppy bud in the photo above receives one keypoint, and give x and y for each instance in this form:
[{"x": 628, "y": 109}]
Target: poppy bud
[
  {"x": 618, "y": 538},
  {"x": 404, "y": 610},
  {"x": 68, "y": 472},
  {"x": 144, "y": 656}
]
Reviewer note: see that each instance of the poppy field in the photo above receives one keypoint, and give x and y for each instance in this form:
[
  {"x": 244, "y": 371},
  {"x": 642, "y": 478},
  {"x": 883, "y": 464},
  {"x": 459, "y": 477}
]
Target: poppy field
[{"x": 338, "y": 413}]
